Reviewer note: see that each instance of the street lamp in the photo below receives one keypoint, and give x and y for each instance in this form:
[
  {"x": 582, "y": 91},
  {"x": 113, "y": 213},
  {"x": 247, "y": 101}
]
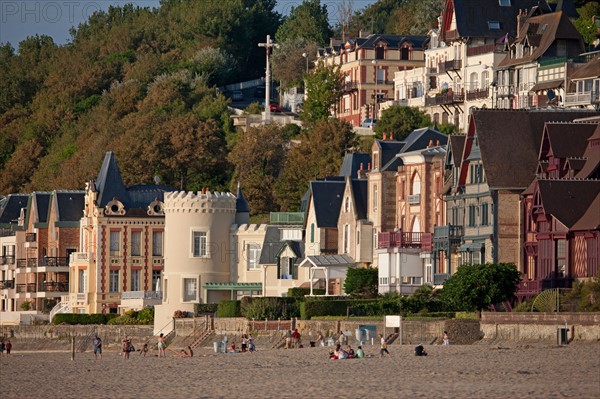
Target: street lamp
[{"x": 305, "y": 55}]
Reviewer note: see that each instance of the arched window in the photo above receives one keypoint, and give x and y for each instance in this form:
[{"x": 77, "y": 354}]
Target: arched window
[
  {"x": 416, "y": 227},
  {"x": 375, "y": 193},
  {"x": 485, "y": 79},
  {"x": 473, "y": 83},
  {"x": 415, "y": 187},
  {"x": 347, "y": 205}
]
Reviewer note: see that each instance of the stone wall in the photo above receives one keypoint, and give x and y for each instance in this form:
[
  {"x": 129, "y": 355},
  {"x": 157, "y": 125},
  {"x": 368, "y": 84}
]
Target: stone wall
[{"x": 540, "y": 326}]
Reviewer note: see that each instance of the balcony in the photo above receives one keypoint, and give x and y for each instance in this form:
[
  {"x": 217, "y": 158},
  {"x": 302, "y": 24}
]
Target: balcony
[
  {"x": 414, "y": 199},
  {"x": 29, "y": 262},
  {"x": 349, "y": 87},
  {"x": 478, "y": 94},
  {"x": 23, "y": 288},
  {"x": 528, "y": 288},
  {"x": 7, "y": 260},
  {"x": 447, "y": 66},
  {"x": 142, "y": 295},
  {"x": 30, "y": 237},
  {"x": 581, "y": 98},
  {"x": 440, "y": 278},
  {"x": 7, "y": 284},
  {"x": 506, "y": 91},
  {"x": 287, "y": 218},
  {"x": 81, "y": 257},
  {"x": 400, "y": 239},
  {"x": 448, "y": 232},
  {"x": 53, "y": 261},
  {"x": 50, "y": 286},
  {"x": 445, "y": 98}
]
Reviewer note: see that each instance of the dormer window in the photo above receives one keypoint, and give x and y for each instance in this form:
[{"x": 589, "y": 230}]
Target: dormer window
[
  {"x": 114, "y": 208},
  {"x": 504, "y": 3},
  {"x": 493, "y": 25},
  {"x": 156, "y": 208}
]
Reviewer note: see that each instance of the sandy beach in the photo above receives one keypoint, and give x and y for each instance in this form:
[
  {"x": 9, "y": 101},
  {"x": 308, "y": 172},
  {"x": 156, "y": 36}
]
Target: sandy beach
[{"x": 474, "y": 371}]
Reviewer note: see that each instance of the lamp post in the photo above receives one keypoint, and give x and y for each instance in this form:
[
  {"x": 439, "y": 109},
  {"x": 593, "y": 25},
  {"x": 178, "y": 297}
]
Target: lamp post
[
  {"x": 374, "y": 62},
  {"x": 305, "y": 55}
]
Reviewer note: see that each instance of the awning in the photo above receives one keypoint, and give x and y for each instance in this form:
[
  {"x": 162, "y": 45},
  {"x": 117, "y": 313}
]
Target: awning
[
  {"x": 471, "y": 247},
  {"x": 552, "y": 84},
  {"x": 328, "y": 261},
  {"x": 233, "y": 286}
]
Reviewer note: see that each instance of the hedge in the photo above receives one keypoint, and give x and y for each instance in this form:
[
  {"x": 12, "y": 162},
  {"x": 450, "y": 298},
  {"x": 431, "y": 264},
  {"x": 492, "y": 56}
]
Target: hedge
[
  {"x": 371, "y": 307},
  {"x": 203, "y": 308},
  {"x": 79, "y": 318},
  {"x": 298, "y": 292},
  {"x": 272, "y": 308},
  {"x": 229, "y": 309}
]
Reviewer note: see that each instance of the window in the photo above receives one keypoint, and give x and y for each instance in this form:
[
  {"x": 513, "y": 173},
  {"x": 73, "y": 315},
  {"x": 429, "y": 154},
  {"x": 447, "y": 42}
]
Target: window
[
  {"x": 346, "y": 243},
  {"x": 155, "y": 281},
  {"x": 383, "y": 280},
  {"x": 312, "y": 232},
  {"x": 380, "y": 76},
  {"x": 115, "y": 239},
  {"x": 113, "y": 282},
  {"x": 136, "y": 243},
  {"x": 347, "y": 205},
  {"x": 82, "y": 281},
  {"x": 291, "y": 234},
  {"x": 199, "y": 244},
  {"x": 375, "y": 198},
  {"x": 493, "y": 25},
  {"x": 190, "y": 289},
  {"x": 485, "y": 79},
  {"x": 379, "y": 53},
  {"x": 484, "y": 214},
  {"x": 135, "y": 280},
  {"x": 157, "y": 243},
  {"x": 286, "y": 267},
  {"x": 504, "y": 3},
  {"x": 472, "y": 215},
  {"x": 561, "y": 258},
  {"x": 404, "y": 52},
  {"x": 253, "y": 254}
]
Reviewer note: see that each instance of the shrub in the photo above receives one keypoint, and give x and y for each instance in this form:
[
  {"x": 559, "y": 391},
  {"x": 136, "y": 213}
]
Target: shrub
[
  {"x": 124, "y": 320},
  {"x": 77, "y": 318},
  {"x": 229, "y": 309},
  {"x": 270, "y": 308},
  {"x": 202, "y": 308},
  {"x": 146, "y": 316},
  {"x": 180, "y": 314},
  {"x": 298, "y": 292}
]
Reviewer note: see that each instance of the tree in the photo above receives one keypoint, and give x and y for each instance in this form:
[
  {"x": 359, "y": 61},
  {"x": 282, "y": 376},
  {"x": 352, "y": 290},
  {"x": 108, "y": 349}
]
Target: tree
[
  {"x": 258, "y": 156},
  {"x": 361, "y": 282},
  {"x": 319, "y": 154},
  {"x": 475, "y": 287},
  {"x": 584, "y": 23},
  {"x": 215, "y": 66},
  {"x": 400, "y": 121},
  {"x": 309, "y": 20},
  {"x": 323, "y": 90},
  {"x": 289, "y": 62}
]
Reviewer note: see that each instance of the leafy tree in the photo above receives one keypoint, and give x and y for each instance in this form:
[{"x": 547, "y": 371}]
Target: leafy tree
[
  {"x": 447, "y": 128},
  {"x": 309, "y": 20},
  {"x": 400, "y": 121},
  {"x": 475, "y": 287},
  {"x": 21, "y": 166},
  {"x": 323, "y": 90},
  {"x": 215, "y": 66},
  {"x": 584, "y": 23},
  {"x": 320, "y": 153},
  {"x": 258, "y": 157},
  {"x": 361, "y": 282},
  {"x": 289, "y": 63}
]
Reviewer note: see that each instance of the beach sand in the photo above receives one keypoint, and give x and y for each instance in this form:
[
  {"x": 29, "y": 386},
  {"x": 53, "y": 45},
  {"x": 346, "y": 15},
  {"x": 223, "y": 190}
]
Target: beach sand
[{"x": 474, "y": 371}]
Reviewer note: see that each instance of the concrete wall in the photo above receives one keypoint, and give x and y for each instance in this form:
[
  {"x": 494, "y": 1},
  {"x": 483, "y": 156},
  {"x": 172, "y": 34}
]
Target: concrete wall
[{"x": 540, "y": 326}]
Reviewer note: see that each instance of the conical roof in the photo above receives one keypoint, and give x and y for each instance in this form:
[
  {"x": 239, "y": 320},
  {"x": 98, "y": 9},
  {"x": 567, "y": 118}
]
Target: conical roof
[{"x": 241, "y": 205}]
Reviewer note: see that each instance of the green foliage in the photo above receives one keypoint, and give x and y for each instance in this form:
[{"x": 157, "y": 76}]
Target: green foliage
[
  {"x": 84, "y": 106},
  {"x": 77, "y": 318},
  {"x": 475, "y": 287},
  {"x": 272, "y": 308},
  {"x": 361, "y": 282},
  {"x": 229, "y": 309},
  {"x": 298, "y": 292},
  {"x": 323, "y": 90},
  {"x": 587, "y": 294},
  {"x": 25, "y": 306},
  {"x": 146, "y": 315},
  {"x": 202, "y": 308},
  {"x": 292, "y": 59},
  {"x": 401, "y": 121},
  {"x": 525, "y": 306},
  {"x": 584, "y": 23},
  {"x": 254, "y": 108},
  {"x": 309, "y": 21}
]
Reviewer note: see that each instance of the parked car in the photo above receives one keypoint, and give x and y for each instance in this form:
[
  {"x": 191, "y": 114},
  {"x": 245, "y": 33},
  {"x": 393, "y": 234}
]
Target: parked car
[
  {"x": 237, "y": 95},
  {"x": 259, "y": 92},
  {"x": 370, "y": 123},
  {"x": 274, "y": 107}
]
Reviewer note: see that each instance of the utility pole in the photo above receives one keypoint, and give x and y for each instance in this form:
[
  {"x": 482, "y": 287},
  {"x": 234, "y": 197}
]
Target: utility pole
[{"x": 268, "y": 45}]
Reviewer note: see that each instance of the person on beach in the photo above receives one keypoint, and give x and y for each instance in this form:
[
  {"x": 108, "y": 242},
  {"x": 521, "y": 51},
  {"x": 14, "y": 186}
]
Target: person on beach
[
  {"x": 446, "y": 339},
  {"x": 342, "y": 338},
  {"x": 295, "y": 338},
  {"x": 144, "y": 350},
  {"x": 126, "y": 347},
  {"x": 161, "y": 346},
  {"x": 420, "y": 351},
  {"x": 97, "y": 345},
  {"x": 350, "y": 351},
  {"x": 383, "y": 347},
  {"x": 244, "y": 342},
  {"x": 360, "y": 354},
  {"x": 288, "y": 339},
  {"x": 320, "y": 341},
  {"x": 8, "y": 347},
  {"x": 1, "y": 348},
  {"x": 251, "y": 346}
]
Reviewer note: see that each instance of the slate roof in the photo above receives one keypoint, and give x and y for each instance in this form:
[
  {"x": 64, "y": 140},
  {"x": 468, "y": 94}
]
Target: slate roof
[
  {"x": 241, "y": 205},
  {"x": 331, "y": 260},
  {"x": 327, "y": 199},
  {"x": 273, "y": 245},
  {"x": 359, "y": 189},
  {"x": 10, "y": 208},
  {"x": 590, "y": 220},
  {"x": 541, "y": 32},
  {"x": 109, "y": 182},
  {"x": 590, "y": 69},
  {"x": 394, "y": 41},
  {"x": 70, "y": 205},
  {"x": 472, "y": 17},
  {"x": 352, "y": 162},
  {"x": 420, "y": 138},
  {"x": 569, "y": 139},
  {"x": 569, "y": 200},
  {"x": 508, "y": 165},
  {"x": 388, "y": 150},
  {"x": 42, "y": 201},
  {"x": 141, "y": 196},
  {"x": 457, "y": 144},
  {"x": 591, "y": 168}
]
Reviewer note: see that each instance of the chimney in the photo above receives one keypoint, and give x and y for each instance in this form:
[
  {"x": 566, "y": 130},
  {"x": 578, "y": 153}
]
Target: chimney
[
  {"x": 384, "y": 136},
  {"x": 430, "y": 144},
  {"x": 437, "y": 143},
  {"x": 521, "y": 18},
  {"x": 361, "y": 166},
  {"x": 369, "y": 166},
  {"x": 391, "y": 136}
]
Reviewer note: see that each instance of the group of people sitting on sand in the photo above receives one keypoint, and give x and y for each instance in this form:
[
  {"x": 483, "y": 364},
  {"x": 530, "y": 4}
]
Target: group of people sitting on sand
[
  {"x": 247, "y": 345},
  {"x": 348, "y": 353}
]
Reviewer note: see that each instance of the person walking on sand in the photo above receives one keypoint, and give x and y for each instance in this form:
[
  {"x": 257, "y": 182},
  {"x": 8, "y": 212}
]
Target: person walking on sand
[
  {"x": 8, "y": 347},
  {"x": 446, "y": 339},
  {"x": 383, "y": 347},
  {"x": 126, "y": 347},
  {"x": 97, "y": 345},
  {"x": 161, "y": 346},
  {"x": 295, "y": 338}
]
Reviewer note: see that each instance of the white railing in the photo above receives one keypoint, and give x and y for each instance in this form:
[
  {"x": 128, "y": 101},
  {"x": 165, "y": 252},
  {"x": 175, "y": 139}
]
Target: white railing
[
  {"x": 81, "y": 257},
  {"x": 142, "y": 295},
  {"x": 81, "y": 297},
  {"x": 61, "y": 307},
  {"x": 578, "y": 98}
]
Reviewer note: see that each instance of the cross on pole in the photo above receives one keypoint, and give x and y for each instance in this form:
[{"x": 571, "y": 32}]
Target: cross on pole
[{"x": 268, "y": 45}]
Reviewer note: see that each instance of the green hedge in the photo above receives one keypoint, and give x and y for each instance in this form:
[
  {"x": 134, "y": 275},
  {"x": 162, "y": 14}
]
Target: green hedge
[
  {"x": 272, "y": 308},
  {"x": 229, "y": 309},
  {"x": 202, "y": 308},
  {"x": 77, "y": 318},
  {"x": 298, "y": 292},
  {"x": 371, "y": 307}
]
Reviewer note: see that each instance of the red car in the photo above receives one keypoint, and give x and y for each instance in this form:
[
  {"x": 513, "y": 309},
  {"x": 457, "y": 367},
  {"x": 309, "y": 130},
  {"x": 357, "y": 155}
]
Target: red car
[{"x": 274, "y": 108}]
